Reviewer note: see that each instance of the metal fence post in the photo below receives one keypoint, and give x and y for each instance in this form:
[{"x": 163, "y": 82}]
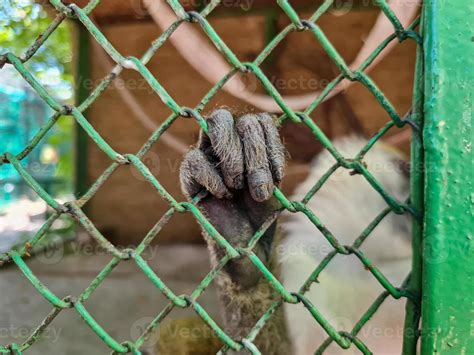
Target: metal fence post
[
  {"x": 82, "y": 92},
  {"x": 448, "y": 263},
  {"x": 413, "y": 309}
]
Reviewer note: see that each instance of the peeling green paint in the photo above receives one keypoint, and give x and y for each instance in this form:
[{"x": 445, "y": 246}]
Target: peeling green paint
[{"x": 448, "y": 263}]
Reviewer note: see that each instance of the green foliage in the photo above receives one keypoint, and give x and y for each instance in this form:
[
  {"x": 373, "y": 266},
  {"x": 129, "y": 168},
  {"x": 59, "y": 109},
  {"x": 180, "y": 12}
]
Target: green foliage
[
  {"x": 21, "y": 22},
  {"x": 61, "y": 136}
]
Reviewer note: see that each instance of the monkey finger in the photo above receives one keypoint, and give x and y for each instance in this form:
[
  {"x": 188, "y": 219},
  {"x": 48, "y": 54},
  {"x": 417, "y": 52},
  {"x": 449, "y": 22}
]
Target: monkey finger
[
  {"x": 205, "y": 145},
  {"x": 227, "y": 147},
  {"x": 256, "y": 160},
  {"x": 275, "y": 148},
  {"x": 197, "y": 172}
]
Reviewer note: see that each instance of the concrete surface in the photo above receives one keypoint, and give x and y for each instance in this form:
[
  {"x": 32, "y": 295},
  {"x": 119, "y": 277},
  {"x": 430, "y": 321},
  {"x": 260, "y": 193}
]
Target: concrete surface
[{"x": 123, "y": 304}]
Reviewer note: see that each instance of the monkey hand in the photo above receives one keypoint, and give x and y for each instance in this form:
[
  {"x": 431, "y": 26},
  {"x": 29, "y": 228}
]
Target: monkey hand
[{"x": 238, "y": 163}]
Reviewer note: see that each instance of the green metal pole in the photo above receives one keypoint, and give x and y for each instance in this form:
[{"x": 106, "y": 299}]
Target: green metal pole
[
  {"x": 413, "y": 305},
  {"x": 82, "y": 92},
  {"x": 448, "y": 258}
]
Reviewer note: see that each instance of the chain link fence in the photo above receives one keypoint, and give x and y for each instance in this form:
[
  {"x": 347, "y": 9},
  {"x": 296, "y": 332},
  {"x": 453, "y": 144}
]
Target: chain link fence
[{"x": 344, "y": 338}]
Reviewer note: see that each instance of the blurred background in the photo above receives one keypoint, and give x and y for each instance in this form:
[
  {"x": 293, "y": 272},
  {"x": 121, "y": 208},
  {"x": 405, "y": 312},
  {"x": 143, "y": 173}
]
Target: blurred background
[
  {"x": 23, "y": 113},
  {"x": 66, "y": 162}
]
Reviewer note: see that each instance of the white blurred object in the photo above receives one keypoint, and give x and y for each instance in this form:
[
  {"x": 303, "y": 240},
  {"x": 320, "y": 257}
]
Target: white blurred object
[
  {"x": 347, "y": 205},
  {"x": 49, "y": 155},
  {"x": 19, "y": 219}
]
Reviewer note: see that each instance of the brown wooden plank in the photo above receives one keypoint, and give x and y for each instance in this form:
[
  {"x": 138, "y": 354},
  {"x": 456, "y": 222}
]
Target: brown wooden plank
[{"x": 114, "y": 11}]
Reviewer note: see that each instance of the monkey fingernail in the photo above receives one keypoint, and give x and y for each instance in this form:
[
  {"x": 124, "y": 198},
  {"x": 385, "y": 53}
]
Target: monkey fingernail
[
  {"x": 279, "y": 173},
  {"x": 239, "y": 182},
  {"x": 261, "y": 193}
]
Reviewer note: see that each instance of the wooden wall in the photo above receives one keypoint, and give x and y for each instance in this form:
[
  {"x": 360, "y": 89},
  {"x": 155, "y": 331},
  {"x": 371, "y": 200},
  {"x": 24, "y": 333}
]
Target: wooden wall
[{"x": 126, "y": 207}]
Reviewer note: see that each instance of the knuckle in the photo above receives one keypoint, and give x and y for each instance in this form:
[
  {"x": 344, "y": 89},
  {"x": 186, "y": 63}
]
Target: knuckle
[
  {"x": 259, "y": 177},
  {"x": 246, "y": 122},
  {"x": 266, "y": 118},
  {"x": 193, "y": 160},
  {"x": 191, "y": 155},
  {"x": 220, "y": 116}
]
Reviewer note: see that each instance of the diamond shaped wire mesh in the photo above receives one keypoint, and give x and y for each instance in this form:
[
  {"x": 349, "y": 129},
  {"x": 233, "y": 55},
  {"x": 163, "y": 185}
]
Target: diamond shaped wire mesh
[{"x": 73, "y": 208}]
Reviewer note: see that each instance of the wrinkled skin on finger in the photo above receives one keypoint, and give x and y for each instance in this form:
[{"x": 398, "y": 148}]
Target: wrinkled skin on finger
[{"x": 239, "y": 163}]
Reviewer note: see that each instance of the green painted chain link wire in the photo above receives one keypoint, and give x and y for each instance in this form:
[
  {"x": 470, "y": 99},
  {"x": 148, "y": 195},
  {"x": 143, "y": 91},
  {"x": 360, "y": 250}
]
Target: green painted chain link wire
[{"x": 73, "y": 208}]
